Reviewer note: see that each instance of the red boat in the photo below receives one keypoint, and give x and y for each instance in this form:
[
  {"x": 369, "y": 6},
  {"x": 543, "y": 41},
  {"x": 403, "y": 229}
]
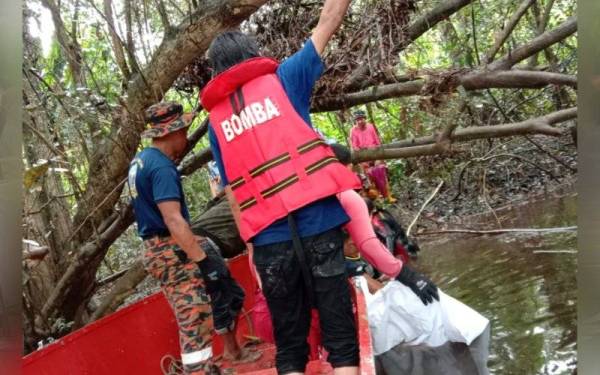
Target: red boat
[{"x": 138, "y": 338}]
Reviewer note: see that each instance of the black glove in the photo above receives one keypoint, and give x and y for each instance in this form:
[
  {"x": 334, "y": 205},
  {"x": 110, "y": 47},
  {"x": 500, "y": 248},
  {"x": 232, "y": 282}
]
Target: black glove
[
  {"x": 213, "y": 271},
  {"x": 420, "y": 284}
]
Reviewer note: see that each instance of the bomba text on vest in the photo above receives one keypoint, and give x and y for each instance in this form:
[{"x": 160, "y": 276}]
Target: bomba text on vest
[{"x": 254, "y": 114}]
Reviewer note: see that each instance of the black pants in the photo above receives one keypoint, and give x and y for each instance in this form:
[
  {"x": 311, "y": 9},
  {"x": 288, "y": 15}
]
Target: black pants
[{"x": 287, "y": 298}]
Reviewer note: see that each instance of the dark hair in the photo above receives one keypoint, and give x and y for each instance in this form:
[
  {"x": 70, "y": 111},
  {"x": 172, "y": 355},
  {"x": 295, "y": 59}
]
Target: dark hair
[
  {"x": 342, "y": 153},
  {"x": 231, "y": 48}
]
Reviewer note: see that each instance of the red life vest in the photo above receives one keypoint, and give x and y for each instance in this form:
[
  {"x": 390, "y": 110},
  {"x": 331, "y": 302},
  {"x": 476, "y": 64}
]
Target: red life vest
[{"x": 274, "y": 162}]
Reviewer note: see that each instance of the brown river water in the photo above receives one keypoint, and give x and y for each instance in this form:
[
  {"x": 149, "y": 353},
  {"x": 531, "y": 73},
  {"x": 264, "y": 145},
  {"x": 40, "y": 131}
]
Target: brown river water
[{"x": 524, "y": 283}]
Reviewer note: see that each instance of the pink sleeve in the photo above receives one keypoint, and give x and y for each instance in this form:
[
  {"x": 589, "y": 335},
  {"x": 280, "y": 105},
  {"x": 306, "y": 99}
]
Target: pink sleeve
[{"x": 361, "y": 232}]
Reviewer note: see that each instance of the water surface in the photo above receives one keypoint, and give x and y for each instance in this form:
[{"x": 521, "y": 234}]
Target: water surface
[{"x": 524, "y": 283}]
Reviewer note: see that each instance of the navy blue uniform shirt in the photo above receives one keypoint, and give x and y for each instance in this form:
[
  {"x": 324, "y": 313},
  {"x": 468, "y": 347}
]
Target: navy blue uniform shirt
[{"x": 153, "y": 178}]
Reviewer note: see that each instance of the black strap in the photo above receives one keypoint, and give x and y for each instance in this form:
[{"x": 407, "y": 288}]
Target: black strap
[
  {"x": 234, "y": 105},
  {"x": 237, "y": 101},
  {"x": 299, "y": 250},
  {"x": 240, "y": 98}
]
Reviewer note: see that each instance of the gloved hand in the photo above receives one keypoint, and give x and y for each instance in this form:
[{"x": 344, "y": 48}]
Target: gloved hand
[
  {"x": 213, "y": 270},
  {"x": 420, "y": 284}
]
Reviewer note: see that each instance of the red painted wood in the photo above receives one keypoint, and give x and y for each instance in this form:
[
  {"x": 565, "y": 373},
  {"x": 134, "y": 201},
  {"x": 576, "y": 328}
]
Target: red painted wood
[
  {"x": 134, "y": 339},
  {"x": 367, "y": 360}
]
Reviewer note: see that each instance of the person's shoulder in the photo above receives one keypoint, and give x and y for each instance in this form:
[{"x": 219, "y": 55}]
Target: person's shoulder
[
  {"x": 305, "y": 58},
  {"x": 154, "y": 159}
]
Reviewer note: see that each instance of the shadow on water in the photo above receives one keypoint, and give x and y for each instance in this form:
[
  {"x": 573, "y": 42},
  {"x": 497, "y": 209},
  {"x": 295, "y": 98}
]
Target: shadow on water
[{"x": 524, "y": 283}]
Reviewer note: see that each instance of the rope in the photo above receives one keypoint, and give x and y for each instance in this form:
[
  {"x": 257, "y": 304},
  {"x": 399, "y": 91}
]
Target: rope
[{"x": 171, "y": 366}]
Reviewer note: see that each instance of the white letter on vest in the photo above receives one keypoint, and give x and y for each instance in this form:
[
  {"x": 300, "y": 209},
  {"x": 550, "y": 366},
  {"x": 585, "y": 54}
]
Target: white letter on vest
[
  {"x": 247, "y": 118},
  {"x": 271, "y": 109},
  {"x": 236, "y": 124},
  {"x": 259, "y": 113},
  {"x": 226, "y": 126}
]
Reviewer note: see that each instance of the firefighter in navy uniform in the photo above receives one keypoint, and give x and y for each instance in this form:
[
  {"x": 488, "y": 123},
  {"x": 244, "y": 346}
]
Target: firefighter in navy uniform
[{"x": 190, "y": 269}]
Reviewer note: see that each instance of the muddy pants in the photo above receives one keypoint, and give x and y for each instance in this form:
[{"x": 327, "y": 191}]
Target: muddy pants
[
  {"x": 183, "y": 288},
  {"x": 289, "y": 302}
]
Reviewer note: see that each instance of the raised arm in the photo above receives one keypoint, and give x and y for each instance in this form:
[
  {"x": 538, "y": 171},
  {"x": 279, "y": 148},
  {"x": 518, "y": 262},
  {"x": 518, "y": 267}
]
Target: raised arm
[{"x": 330, "y": 20}]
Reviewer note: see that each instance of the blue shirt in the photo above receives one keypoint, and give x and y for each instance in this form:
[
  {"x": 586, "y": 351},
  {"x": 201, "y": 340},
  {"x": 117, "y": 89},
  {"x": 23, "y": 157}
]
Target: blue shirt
[
  {"x": 298, "y": 75},
  {"x": 153, "y": 178}
]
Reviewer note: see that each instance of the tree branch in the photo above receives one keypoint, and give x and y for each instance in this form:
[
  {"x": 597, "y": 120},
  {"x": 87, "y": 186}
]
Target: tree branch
[
  {"x": 419, "y": 27},
  {"x": 508, "y": 29},
  {"x": 173, "y": 55},
  {"x": 164, "y": 16},
  {"x": 122, "y": 289},
  {"x": 196, "y": 161},
  {"x": 538, "y": 125},
  {"x": 381, "y": 153},
  {"x": 470, "y": 80},
  {"x": 69, "y": 44},
  {"x": 116, "y": 42},
  {"x": 536, "y": 45},
  {"x": 111, "y": 278}
]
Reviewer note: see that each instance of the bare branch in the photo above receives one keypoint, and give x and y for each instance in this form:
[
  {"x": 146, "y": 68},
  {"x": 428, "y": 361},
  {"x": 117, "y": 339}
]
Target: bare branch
[
  {"x": 164, "y": 16},
  {"x": 470, "y": 80},
  {"x": 196, "y": 161},
  {"x": 419, "y": 27},
  {"x": 536, "y": 45},
  {"x": 508, "y": 29},
  {"x": 441, "y": 12},
  {"x": 381, "y": 153},
  {"x": 128, "y": 26},
  {"x": 117, "y": 45},
  {"x": 69, "y": 44},
  {"x": 423, "y": 207},
  {"x": 501, "y": 231},
  {"x": 539, "y": 125},
  {"x": 111, "y": 278}
]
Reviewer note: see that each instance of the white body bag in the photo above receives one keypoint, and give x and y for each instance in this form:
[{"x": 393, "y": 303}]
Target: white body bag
[{"x": 396, "y": 315}]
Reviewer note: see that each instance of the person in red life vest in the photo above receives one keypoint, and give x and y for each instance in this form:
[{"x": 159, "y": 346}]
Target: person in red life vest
[
  {"x": 188, "y": 268},
  {"x": 281, "y": 179},
  {"x": 365, "y": 135}
]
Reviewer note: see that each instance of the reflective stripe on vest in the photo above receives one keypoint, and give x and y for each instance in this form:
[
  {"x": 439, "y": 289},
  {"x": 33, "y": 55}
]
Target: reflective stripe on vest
[
  {"x": 257, "y": 171},
  {"x": 288, "y": 181},
  {"x": 274, "y": 161}
]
